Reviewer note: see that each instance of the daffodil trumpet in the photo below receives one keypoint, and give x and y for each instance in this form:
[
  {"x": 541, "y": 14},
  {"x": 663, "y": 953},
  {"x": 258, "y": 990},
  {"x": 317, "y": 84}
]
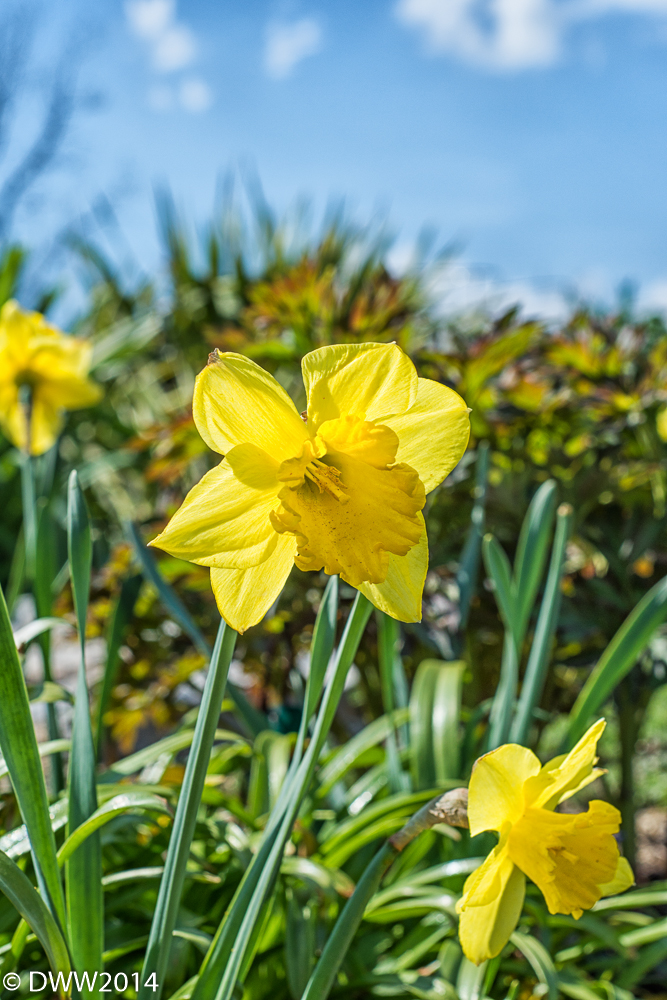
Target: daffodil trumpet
[
  {"x": 573, "y": 858},
  {"x": 340, "y": 488},
  {"x": 43, "y": 373}
]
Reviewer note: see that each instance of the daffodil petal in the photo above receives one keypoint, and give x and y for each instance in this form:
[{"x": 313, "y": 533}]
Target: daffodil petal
[
  {"x": 244, "y": 596},
  {"x": 490, "y": 906},
  {"x": 495, "y": 793},
  {"x": 568, "y": 856},
  {"x": 224, "y": 522},
  {"x": 45, "y": 424},
  {"x": 433, "y": 434},
  {"x": 69, "y": 392},
  {"x": 623, "y": 878},
  {"x": 563, "y": 776},
  {"x": 12, "y": 415},
  {"x": 237, "y": 402},
  {"x": 400, "y": 595},
  {"x": 369, "y": 381}
]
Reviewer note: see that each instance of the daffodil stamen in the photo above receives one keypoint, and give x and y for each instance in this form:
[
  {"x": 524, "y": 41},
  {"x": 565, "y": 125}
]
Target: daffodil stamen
[{"x": 327, "y": 479}]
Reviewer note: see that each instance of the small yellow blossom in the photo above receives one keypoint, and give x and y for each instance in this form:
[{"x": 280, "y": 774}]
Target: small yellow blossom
[
  {"x": 661, "y": 423},
  {"x": 52, "y": 365},
  {"x": 573, "y": 858},
  {"x": 341, "y": 489}
]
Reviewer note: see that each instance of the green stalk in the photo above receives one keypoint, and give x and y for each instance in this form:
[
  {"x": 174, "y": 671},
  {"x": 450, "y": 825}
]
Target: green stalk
[
  {"x": 83, "y": 874},
  {"x": 225, "y": 957},
  {"x": 171, "y": 885},
  {"x": 466, "y": 577},
  {"x": 540, "y": 653},
  {"x": 388, "y": 639},
  {"x": 29, "y": 515},
  {"x": 449, "y": 808}
]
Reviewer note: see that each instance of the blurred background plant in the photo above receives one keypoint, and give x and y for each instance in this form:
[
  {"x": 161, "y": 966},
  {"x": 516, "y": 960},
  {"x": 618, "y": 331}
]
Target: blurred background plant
[{"x": 583, "y": 405}]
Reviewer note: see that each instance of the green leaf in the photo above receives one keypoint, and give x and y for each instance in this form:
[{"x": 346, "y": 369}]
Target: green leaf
[
  {"x": 547, "y": 620},
  {"x": 647, "y": 960},
  {"x": 324, "y": 636},
  {"x": 128, "y": 802},
  {"x": 618, "y": 658},
  {"x": 468, "y": 571},
  {"x": 168, "y": 745},
  {"x": 346, "y": 756},
  {"x": 28, "y": 632},
  {"x": 300, "y": 943},
  {"x": 531, "y": 554},
  {"x": 445, "y": 715},
  {"x": 470, "y": 979},
  {"x": 644, "y": 935},
  {"x": 255, "y": 721},
  {"x": 340, "y": 939},
  {"x": 498, "y": 567},
  {"x": 502, "y": 706},
  {"x": 21, "y": 756},
  {"x": 122, "y": 614},
  {"x": 270, "y": 761},
  {"x": 44, "y": 750},
  {"x": 171, "y": 886},
  {"x": 22, "y": 894},
  {"x": 83, "y": 874},
  {"x": 435, "y": 705},
  {"x": 539, "y": 959},
  {"x": 388, "y": 655}
]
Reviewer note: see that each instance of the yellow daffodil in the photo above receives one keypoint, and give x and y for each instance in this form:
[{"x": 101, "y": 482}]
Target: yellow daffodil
[
  {"x": 340, "y": 489},
  {"x": 573, "y": 858},
  {"x": 52, "y": 366}
]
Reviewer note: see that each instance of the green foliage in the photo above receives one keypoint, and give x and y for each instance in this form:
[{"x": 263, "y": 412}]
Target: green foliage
[{"x": 274, "y": 878}]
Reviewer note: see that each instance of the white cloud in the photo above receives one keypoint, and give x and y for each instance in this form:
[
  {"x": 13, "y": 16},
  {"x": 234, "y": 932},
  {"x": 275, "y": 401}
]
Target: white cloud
[
  {"x": 288, "y": 44},
  {"x": 509, "y": 34},
  {"x": 174, "y": 49},
  {"x": 149, "y": 18},
  {"x": 195, "y": 95},
  {"x": 459, "y": 289},
  {"x": 172, "y": 45}
]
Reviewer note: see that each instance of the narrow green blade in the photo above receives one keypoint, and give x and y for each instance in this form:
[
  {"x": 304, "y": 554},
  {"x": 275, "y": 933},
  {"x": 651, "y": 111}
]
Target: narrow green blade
[
  {"x": 171, "y": 886},
  {"x": 532, "y": 552},
  {"x": 22, "y": 894},
  {"x": 121, "y": 617},
  {"x": 21, "y": 756},
  {"x": 84, "y": 869},
  {"x": 618, "y": 658},
  {"x": 547, "y": 620},
  {"x": 472, "y": 550}
]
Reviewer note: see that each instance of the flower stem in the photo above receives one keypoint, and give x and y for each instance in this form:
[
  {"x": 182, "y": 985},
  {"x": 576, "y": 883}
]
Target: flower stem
[{"x": 449, "y": 808}]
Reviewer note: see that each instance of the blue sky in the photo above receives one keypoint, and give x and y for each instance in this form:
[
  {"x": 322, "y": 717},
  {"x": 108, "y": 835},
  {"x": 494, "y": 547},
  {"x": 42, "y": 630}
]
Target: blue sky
[{"x": 532, "y": 133}]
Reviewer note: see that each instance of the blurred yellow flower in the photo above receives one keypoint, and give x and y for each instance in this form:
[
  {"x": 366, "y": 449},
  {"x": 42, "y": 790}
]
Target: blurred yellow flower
[
  {"x": 661, "y": 423},
  {"x": 52, "y": 365},
  {"x": 341, "y": 489},
  {"x": 573, "y": 858}
]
